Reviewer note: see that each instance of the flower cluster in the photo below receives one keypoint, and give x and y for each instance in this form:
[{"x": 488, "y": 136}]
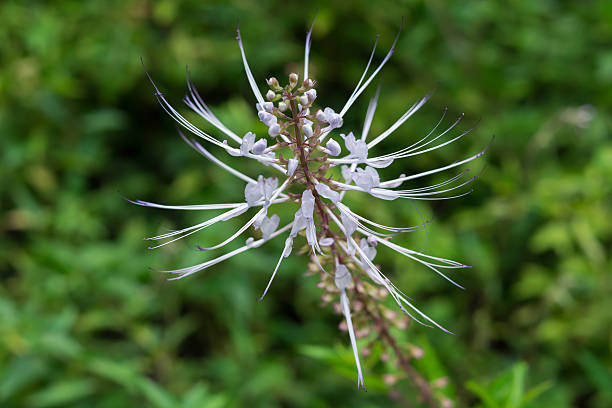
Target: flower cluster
[{"x": 302, "y": 147}]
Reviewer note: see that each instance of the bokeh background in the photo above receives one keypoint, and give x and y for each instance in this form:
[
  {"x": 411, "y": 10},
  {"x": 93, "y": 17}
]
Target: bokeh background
[{"x": 84, "y": 322}]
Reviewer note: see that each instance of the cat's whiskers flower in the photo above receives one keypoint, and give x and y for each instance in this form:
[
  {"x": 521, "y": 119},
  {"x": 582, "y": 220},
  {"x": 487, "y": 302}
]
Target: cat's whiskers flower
[{"x": 302, "y": 146}]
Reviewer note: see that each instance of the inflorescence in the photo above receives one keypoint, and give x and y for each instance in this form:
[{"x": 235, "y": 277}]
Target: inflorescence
[{"x": 302, "y": 146}]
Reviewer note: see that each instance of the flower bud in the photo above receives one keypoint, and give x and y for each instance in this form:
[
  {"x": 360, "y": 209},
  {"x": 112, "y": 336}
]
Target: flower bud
[
  {"x": 282, "y": 106},
  {"x": 333, "y": 147},
  {"x": 267, "y": 118},
  {"x": 260, "y": 146},
  {"x": 274, "y": 130},
  {"x": 293, "y": 78},
  {"x": 273, "y": 84},
  {"x": 307, "y": 129},
  {"x": 270, "y": 95},
  {"x": 266, "y": 106},
  {"x": 303, "y": 100},
  {"x": 327, "y": 241}
]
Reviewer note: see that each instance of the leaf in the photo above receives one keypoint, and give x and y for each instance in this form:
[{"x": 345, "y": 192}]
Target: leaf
[{"x": 62, "y": 393}]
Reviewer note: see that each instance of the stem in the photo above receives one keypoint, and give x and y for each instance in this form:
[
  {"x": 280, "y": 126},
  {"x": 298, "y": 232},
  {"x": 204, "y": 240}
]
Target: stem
[
  {"x": 307, "y": 174},
  {"x": 404, "y": 360}
]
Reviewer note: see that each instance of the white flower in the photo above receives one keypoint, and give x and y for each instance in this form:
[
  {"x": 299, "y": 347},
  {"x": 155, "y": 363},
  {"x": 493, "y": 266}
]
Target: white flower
[
  {"x": 357, "y": 148},
  {"x": 321, "y": 213},
  {"x": 247, "y": 143},
  {"x": 332, "y": 148},
  {"x": 267, "y": 118},
  {"x": 366, "y": 179},
  {"x": 329, "y": 116},
  {"x": 269, "y": 225}
]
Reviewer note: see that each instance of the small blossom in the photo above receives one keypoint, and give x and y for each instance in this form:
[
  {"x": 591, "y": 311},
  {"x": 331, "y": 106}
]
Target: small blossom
[
  {"x": 366, "y": 179},
  {"x": 357, "y": 148},
  {"x": 247, "y": 143}
]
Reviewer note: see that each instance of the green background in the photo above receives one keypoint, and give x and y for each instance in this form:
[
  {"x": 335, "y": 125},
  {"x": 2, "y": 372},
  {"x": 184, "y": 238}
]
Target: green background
[{"x": 84, "y": 322}]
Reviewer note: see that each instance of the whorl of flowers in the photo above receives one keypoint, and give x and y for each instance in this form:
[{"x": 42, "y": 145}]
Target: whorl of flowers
[{"x": 303, "y": 143}]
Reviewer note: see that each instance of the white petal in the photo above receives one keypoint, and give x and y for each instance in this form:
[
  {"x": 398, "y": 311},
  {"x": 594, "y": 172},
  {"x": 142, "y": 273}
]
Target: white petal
[
  {"x": 291, "y": 166},
  {"x": 307, "y": 204},
  {"x": 325, "y": 191},
  {"x": 344, "y": 302},
  {"x": 342, "y": 277}
]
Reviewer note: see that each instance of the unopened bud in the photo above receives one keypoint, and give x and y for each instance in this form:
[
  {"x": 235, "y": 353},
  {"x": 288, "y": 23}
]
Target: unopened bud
[
  {"x": 260, "y": 146},
  {"x": 303, "y": 100},
  {"x": 270, "y": 95},
  {"x": 307, "y": 129},
  {"x": 274, "y": 130},
  {"x": 293, "y": 78},
  {"x": 282, "y": 106},
  {"x": 333, "y": 148},
  {"x": 273, "y": 84}
]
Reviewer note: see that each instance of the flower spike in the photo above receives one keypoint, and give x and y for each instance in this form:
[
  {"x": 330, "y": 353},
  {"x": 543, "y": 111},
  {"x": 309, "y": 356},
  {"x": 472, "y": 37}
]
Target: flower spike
[{"x": 341, "y": 243}]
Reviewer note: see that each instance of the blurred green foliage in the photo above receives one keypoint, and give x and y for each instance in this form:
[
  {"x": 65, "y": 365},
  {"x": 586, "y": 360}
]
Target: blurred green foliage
[{"x": 85, "y": 323}]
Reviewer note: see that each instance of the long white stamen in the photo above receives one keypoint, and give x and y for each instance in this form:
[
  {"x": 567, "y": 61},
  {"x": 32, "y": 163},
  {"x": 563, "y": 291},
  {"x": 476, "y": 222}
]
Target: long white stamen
[
  {"x": 358, "y": 91},
  {"x": 200, "y": 149},
  {"x": 400, "y": 121},
  {"x": 196, "y": 268},
  {"x": 379, "y": 277},
  {"x": 344, "y": 302},
  {"x": 252, "y": 82},
  {"x": 196, "y": 103},
  {"x": 307, "y": 50}
]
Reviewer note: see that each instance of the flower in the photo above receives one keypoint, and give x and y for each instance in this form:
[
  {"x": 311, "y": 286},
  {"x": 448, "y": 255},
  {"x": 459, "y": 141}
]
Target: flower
[{"x": 342, "y": 243}]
